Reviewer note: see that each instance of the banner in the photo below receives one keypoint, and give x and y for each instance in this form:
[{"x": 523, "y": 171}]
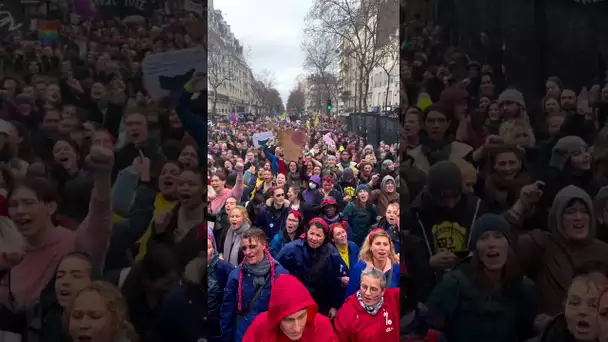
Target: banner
[
  {"x": 12, "y": 18},
  {"x": 292, "y": 143},
  {"x": 110, "y": 9},
  {"x": 169, "y": 71}
]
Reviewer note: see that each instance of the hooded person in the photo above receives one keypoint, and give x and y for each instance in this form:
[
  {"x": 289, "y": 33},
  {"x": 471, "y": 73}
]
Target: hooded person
[
  {"x": 312, "y": 195},
  {"x": 273, "y": 216},
  {"x": 385, "y": 195},
  {"x": 292, "y": 316},
  {"x": 549, "y": 258},
  {"x": 443, "y": 216},
  {"x": 348, "y": 184},
  {"x": 570, "y": 163}
]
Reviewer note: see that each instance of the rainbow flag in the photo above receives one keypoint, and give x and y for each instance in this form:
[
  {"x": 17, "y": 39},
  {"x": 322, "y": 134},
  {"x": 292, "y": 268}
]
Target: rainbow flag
[
  {"x": 48, "y": 32},
  {"x": 223, "y": 126}
]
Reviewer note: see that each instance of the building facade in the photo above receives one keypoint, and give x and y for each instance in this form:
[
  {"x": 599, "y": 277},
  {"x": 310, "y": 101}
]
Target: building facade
[{"x": 229, "y": 76}]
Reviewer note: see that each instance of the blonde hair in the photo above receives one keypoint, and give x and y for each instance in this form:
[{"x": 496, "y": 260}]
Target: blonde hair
[
  {"x": 508, "y": 129},
  {"x": 243, "y": 212},
  {"x": 366, "y": 252},
  {"x": 10, "y": 238},
  {"x": 115, "y": 304}
]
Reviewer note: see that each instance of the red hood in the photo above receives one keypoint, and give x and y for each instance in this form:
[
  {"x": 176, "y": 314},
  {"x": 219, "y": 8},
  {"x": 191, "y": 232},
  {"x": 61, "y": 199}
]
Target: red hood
[{"x": 287, "y": 296}]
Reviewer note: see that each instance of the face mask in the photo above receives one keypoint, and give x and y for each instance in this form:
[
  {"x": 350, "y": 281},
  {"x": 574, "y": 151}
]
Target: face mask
[{"x": 312, "y": 185}]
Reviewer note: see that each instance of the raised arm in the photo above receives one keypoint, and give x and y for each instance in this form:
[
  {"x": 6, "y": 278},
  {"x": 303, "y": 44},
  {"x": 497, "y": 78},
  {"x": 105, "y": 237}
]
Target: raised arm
[{"x": 93, "y": 234}]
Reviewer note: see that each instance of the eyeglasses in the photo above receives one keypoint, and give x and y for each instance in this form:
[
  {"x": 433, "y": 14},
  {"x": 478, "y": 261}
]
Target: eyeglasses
[
  {"x": 373, "y": 290},
  {"x": 279, "y": 195}
]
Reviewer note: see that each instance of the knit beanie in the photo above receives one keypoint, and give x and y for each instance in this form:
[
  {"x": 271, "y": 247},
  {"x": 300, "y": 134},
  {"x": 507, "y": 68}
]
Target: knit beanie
[
  {"x": 512, "y": 95},
  {"x": 489, "y": 223},
  {"x": 443, "y": 177},
  {"x": 362, "y": 187},
  {"x": 564, "y": 149}
]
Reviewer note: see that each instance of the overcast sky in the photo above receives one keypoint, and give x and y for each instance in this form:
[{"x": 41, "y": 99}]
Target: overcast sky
[{"x": 272, "y": 30}]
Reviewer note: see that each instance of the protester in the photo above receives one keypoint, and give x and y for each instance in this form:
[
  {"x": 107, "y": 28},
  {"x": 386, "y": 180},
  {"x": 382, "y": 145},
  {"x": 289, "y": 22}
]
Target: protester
[
  {"x": 292, "y": 314},
  {"x": 247, "y": 292},
  {"x": 100, "y": 178},
  {"x": 371, "y": 313},
  {"x": 487, "y": 145}
]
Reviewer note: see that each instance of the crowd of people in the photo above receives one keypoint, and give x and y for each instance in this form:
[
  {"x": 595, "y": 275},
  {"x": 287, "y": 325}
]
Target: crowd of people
[
  {"x": 504, "y": 236},
  {"x": 103, "y": 201},
  {"x": 302, "y": 249}
]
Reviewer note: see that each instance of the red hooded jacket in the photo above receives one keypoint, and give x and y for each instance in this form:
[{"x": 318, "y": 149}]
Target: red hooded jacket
[
  {"x": 354, "y": 324},
  {"x": 287, "y": 296}
]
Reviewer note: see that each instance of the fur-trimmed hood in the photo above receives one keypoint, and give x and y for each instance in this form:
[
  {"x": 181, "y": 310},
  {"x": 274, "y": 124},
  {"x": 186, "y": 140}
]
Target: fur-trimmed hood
[{"x": 285, "y": 203}]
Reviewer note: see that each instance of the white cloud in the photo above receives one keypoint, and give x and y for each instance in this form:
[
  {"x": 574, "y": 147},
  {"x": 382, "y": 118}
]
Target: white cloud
[{"x": 272, "y": 30}]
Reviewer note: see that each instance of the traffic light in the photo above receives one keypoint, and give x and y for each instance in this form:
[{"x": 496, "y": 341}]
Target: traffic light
[{"x": 329, "y": 105}]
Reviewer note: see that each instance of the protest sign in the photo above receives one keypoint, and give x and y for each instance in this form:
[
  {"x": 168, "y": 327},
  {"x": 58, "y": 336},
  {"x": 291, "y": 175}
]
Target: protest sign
[
  {"x": 169, "y": 71},
  {"x": 328, "y": 140},
  {"x": 12, "y": 18},
  {"x": 260, "y": 139},
  {"x": 292, "y": 143},
  {"x": 110, "y": 9}
]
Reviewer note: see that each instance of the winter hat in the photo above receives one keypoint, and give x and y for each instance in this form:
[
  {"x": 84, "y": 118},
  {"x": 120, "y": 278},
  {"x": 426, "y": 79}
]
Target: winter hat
[
  {"x": 563, "y": 150},
  {"x": 331, "y": 158},
  {"x": 386, "y": 180},
  {"x": 348, "y": 173},
  {"x": 386, "y": 164},
  {"x": 512, "y": 95},
  {"x": 444, "y": 177},
  {"x": 369, "y": 147},
  {"x": 489, "y": 223},
  {"x": 362, "y": 187}
]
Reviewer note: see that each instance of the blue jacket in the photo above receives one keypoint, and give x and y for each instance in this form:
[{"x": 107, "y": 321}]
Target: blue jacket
[
  {"x": 193, "y": 124},
  {"x": 269, "y": 225},
  {"x": 355, "y": 278},
  {"x": 277, "y": 244},
  {"x": 353, "y": 257},
  {"x": 274, "y": 161},
  {"x": 294, "y": 257},
  {"x": 231, "y": 331},
  {"x": 181, "y": 315}
]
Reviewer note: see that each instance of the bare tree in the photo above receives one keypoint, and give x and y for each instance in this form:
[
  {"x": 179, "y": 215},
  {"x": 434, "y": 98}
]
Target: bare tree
[
  {"x": 320, "y": 60},
  {"x": 296, "y": 99},
  {"x": 265, "y": 94},
  {"x": 361, "y": 26},
  {"x": 222, "y": 61}
]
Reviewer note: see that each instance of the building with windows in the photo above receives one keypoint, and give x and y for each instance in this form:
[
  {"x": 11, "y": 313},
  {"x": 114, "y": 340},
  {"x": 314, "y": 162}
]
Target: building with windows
[{"x": 230, "y": 79}]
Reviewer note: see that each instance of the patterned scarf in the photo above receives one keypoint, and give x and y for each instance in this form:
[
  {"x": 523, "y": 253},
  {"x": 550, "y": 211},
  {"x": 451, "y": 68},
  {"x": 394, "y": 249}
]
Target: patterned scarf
[{"x": 373, "y": 309}]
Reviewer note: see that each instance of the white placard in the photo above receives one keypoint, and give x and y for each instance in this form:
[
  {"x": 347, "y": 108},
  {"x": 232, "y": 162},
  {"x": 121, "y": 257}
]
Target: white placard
[
  {"x": 163, "y": 72},
  {"x": 258, "y": 137}
]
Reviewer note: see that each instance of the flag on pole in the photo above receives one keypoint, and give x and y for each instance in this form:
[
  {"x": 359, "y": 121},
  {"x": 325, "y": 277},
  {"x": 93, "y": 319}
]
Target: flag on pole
[
  {"x": 48, "y": 32},
  {"x": 316, "y": 120},
  {"x": 283, "y": 116}
]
